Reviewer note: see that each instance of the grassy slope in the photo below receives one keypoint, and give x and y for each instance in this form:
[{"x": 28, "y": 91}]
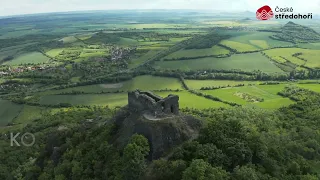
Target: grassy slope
[
  {"x": 197, "y": 84},
  {"x": 312, "y": 87},
  {"x": 259, "y": 39},
  {"x": 145, "y": 82},
  {"x": 8, "y": 111},
  {"x": 135, "y": 62},
  {"x": 111, "y": 100},
  {"x": 215, "y": 50},
  {"x": 246, "y": 62},
  {"x": 267, "y": 92},
  {"x": 310, "y": 55},
  {"x": 29, "y": 113},
  {"x": 34, "y": 57}
]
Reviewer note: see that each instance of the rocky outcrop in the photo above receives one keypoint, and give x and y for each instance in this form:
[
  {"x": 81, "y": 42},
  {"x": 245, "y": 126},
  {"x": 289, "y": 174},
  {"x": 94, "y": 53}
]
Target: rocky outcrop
[
  {"x": 158, "y": 119},
  {"x": 162, "y": 135}
]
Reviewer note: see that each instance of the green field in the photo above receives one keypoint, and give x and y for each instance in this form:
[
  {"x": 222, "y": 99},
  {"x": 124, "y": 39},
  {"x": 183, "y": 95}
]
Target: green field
[
  {"x": 238, "y": 46},
  {"x": 29, "y": 113},
  {"x": 8, "y": 111},
  {"x": 85, "y": 53},
  {"x": 54, "y": 52},
  {"x": 197, "y": 84},
  {"x": 310, "y": 55},
  {"x": 145, "y": 82},
  {"x": 137, "y": 61},
  {"x": 310, "y": 46},
  {"x": 33, "y": 58},
  {"x": 120, "y": 99},
  {"x": 111, "y": 100},
  {"x": 267, "y": 92},
  {"x": 312, "y": 87},
  {"x": 245, "y": 62},
  {"x": 260, "y": 43},
  {"x": 69, "y": 39},
  {"x": 215, "y": 50},
  {"x": 189, "y": 100},
  {"x": 260, "y": 40}
]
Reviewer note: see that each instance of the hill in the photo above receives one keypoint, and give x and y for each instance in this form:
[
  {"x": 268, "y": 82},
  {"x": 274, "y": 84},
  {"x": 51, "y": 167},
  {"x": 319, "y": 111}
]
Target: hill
[{"x": 296, "y": 33}]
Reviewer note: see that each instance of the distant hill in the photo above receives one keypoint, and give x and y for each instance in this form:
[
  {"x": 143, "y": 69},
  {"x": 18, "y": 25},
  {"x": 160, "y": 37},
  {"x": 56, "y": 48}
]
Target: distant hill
[{"x": 296, "y": 33}]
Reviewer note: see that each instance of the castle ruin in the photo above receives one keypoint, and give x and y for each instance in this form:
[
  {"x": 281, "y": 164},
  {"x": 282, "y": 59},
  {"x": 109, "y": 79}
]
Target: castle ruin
[{"x": 145, "y": 101}]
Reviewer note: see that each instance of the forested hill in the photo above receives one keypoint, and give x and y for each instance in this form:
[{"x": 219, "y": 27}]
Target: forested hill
[
  {"x": 296, "y": 33},
  {"x": 237, "y": 143}
]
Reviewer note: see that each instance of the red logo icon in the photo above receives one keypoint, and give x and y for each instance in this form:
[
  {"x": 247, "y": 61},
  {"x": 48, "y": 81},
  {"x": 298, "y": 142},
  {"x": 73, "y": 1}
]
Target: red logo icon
[{"x": 264, "y": 13}]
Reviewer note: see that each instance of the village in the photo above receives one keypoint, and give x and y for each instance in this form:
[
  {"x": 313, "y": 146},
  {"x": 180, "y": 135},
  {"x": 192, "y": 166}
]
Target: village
[{"x": 9, "y": 70}]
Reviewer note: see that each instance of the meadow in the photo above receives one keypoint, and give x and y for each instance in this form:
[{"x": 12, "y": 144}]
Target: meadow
[
  {"x": 8, "y": 111},
  {"x": 111, "y": 100},
  {"x": 30, "y": 113},
  {"x": 312, "y": 87},
  {"x": 260, "y": 40},
  {"x": 192, "y": 53},
  {"x": 188, "y": 100},
  {"x": 245, "y": 62},
  {"x": 146, "y": 82},
  {"x": 197, "y": 84},
  {"x": 267, "y": 92},
  {"x": 238, "y": 46},
  {"x": 139, "y": 60},
  {"x": 281, "y": 54},
  {"x": 32, "y": 58}
]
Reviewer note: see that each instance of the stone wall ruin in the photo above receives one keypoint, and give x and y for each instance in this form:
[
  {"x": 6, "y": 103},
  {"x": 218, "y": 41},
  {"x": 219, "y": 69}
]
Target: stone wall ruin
[{"x": 145, "y": 101}]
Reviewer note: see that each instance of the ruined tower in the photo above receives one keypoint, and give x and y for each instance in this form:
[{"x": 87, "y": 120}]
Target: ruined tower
[{"x": 145, "y": 101}]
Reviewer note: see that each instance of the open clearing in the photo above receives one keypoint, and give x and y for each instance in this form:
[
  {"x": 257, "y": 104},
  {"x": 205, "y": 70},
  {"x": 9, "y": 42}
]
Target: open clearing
[
  {"x": 69, "y": 39},
  {"x": 312, "y": 87},
  {"x": 145, "y": 82},
  {"x": 260, "y": 40},
  {"x": 215, "y": 50},
  {"x": 189, "y": 100},
  {"x": 111, "y": 100},
  {"x": 197, "y": 84},
  {"x": 29, "y": 113},
  {"x": 54, "y": 52},
  {"x": 239, "y": 47},
  {"x": 33, "y": 58},
  {"x": 267, "y": 92},
  {"x": 311, "y": 56},
  {"x": 8, "y": 111},
  {"x": 245, "y": 62},
  {"x": 137, "y": 61}
]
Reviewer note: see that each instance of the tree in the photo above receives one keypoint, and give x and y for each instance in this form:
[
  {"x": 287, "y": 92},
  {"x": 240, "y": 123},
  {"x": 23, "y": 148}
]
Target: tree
[
  {"x": 134, "y": 157},
  {"x": 163, "y": 170},
  {"x": 133, "y": 161},
  {"x": 142, "y": 142},
  {"x": 201, "y": 170},
  {"x": 244, "y": 173}
]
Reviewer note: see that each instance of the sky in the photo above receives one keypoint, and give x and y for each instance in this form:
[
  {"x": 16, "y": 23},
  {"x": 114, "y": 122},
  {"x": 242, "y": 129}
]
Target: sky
[{"x": 17, "y": 7}]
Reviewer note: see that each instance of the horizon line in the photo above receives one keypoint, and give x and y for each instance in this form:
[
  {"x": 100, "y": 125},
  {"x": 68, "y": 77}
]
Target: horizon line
[{"x": 101, "y": 10}]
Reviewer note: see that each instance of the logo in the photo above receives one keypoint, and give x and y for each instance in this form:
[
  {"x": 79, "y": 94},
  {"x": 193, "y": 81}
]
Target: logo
[
  {"x": 264, "y": 13},
  {"x": 27, "y": 139}
]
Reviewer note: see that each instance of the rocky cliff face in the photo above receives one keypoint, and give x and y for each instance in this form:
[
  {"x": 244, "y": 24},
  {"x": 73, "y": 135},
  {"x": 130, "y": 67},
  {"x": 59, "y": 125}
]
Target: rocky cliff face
[{"x": 162, "y": 134}]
